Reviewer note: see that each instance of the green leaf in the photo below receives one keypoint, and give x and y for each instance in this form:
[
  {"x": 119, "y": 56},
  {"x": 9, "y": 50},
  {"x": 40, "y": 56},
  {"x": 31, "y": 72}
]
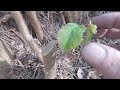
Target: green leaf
[
  {"x": 70, "y": 36},
  {"x": 90, "y": 30}
]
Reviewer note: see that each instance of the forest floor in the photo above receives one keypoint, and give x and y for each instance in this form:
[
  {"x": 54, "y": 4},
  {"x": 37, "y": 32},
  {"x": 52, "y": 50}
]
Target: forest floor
[{"x": 25, "y": 64}]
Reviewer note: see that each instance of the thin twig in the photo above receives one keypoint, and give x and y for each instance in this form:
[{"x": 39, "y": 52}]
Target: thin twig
[
  {"x": 34, "y": 73},
  {"x": 5, "y": 18},
  {"x": 21, "y": 64},
  {"x": 8, "y": 36},
  {"x": 19, "y": 36},
  {"x": 44, "y": 16},
  {"x": 9, "y": 44}
]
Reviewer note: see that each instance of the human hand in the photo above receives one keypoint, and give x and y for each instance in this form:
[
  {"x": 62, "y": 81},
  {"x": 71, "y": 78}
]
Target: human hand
[{"x": 104, "y": 58}]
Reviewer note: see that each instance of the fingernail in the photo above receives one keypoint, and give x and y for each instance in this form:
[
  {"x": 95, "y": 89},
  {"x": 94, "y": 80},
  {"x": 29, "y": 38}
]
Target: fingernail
[{"x": 93, "y": 54}]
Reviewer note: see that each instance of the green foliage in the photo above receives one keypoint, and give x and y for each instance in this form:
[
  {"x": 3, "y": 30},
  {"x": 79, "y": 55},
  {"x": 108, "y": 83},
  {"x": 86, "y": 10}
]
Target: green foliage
[
  {"x": 90, "y": 30},
  {"x": 71, "y": 35}
]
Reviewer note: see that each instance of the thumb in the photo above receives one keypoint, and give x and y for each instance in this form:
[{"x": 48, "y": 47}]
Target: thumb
[{"x": 104, "y": 58}]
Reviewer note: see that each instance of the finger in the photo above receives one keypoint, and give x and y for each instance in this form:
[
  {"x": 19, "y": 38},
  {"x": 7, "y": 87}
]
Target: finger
[
  {"x": 104, "y": 58},
  {"x": 100, "y": 33},
  {"x": 111, "y": 33},
  {"x": 115, "y": 46},
  {"x": 107, "y": 21}
]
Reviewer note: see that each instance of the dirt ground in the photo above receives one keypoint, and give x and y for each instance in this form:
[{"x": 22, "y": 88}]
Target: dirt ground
[{"x": 25, "y": 64}]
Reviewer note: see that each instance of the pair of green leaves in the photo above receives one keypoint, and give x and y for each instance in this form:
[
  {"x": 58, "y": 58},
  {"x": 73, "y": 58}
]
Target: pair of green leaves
[{"x": 71, "y": 35}]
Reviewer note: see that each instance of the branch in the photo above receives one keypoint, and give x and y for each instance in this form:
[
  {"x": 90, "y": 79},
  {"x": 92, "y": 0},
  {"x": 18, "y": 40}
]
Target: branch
[
  {"x": 25, "y": 32},
  {"x": 62, "y": 18},
  {"x": 32, "y": 16},
  {"x": 48, "y": 50},
  {"x": 72, "y": 16},
  {"x": 68, "y": 16}
]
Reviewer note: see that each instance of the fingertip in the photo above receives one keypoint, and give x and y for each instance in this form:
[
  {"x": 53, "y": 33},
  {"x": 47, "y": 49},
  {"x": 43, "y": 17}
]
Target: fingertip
[
  {"x": 103, "y": 58},
  {"x": 107, "y": 20},
  {"x": 93, "y": 54},
  {"x": 101, "y": 33}
]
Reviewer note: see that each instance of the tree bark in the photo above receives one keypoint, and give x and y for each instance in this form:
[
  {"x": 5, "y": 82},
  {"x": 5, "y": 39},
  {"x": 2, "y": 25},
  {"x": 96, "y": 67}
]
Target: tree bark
[
  {"x": 33, "y": 19},
  {"x": 73, "y": 16},
  {"x": 48, "y": 51}
]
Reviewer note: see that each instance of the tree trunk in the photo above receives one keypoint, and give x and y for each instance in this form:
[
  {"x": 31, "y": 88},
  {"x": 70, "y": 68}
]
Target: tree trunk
[{"x": 73, "y": 16}]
